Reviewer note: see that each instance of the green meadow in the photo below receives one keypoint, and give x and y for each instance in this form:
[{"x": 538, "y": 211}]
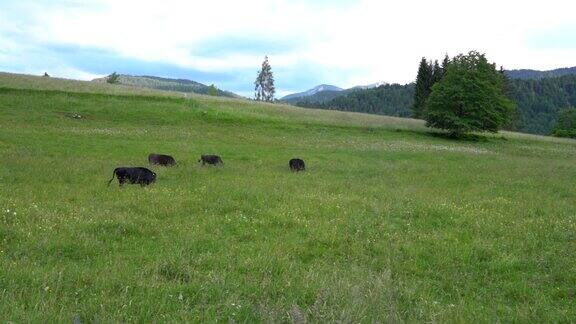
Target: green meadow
[{"x": 390, "y": 222}]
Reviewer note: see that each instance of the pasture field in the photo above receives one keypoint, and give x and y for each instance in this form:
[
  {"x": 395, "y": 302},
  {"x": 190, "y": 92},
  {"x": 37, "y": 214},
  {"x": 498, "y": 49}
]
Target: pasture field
[{"x": 388, "y": 224}]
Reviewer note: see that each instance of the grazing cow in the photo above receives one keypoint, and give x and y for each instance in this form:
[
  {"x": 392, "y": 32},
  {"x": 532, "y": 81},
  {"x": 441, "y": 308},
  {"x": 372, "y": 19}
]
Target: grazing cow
[
  {"x": 161, "y": 159},
  {"x": 141, "y": 176},
  {"x": 210, "y": 159},
  {"x": 297, "y": 165}
]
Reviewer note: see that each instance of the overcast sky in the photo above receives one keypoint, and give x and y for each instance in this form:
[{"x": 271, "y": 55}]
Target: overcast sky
[{"x": 338, "y": 42}]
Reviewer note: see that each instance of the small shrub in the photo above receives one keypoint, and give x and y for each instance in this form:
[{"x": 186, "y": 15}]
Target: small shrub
[{"x": 566, "y": 126}]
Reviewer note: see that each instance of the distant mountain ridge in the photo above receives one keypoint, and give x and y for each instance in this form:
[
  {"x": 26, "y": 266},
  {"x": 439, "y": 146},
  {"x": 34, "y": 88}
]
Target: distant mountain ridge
[
  {"x": 387, "y": 99},
  {"x": 311, "y": 92},
  {"x": 325, "y": 92},
  {"x": 370, "y": 86},
  {"x": 527, "y": 74},
  {"x": 180, "y": 85}
]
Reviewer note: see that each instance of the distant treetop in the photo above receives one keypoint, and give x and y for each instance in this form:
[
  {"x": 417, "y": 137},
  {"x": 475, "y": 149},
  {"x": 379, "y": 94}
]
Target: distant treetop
[
  {"x": 113, "y": 78},
  {"x": 264, "y": 85}
]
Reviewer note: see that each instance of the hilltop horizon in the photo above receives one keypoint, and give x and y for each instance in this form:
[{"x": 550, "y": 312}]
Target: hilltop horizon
[
  {"x": 344, "y": 43},
  {"x": 524, "y": 73}
]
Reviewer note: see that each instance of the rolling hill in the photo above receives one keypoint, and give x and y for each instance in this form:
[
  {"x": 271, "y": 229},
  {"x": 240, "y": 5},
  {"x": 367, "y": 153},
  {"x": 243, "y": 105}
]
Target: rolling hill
[
  {"x": 391, "y": 222},
  {"x": 179, "y": 85}
]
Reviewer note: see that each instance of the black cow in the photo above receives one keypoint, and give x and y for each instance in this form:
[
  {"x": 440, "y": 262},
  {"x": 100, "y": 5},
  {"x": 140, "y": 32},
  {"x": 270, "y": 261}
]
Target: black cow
[
  {"x": 210, "y": 159},
  {"x": 161, "y": 159},
  {"x": 139, "y": 175},
  {"x": 297, "y": 165}
]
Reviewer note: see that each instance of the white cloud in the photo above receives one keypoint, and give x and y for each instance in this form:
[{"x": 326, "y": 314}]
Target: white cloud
[
  {"x": 70, "y": 73},
  {"x": 372, "y": 40}
]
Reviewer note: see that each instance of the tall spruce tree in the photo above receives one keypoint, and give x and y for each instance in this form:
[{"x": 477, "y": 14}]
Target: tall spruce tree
[
  {"x": 264, "y": 84},
  {"x": 445, "y": 63},
  {"x": 424, "y": 81},
  {"x": 508, "y": 92},
  {"x": 437, "y": 73}
]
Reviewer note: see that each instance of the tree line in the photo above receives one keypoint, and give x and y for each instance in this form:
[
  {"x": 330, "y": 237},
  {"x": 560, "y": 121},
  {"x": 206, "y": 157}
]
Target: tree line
[
  {"x": 538, "y": 102},
  {"x": 541, "y": 101},
  {"x": 462, "y": 94},
  {"x": 389, "y": 100}
]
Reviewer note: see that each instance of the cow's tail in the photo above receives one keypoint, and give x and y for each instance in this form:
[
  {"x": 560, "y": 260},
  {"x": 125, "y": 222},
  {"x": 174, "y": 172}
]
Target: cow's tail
[{"x": 113, "y": 174}]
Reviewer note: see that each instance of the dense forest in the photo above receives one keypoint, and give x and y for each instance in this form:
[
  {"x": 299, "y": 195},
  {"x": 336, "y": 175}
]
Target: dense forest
[
  {"x": 319, "y": 97},
  {"x": 534, "y": 74},
  {"x": 538, "y": 101},
  {"x": 389, "y": 99}
]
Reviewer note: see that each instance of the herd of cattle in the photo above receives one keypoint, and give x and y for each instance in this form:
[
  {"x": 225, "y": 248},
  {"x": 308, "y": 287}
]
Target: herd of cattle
[{"x": 144, "y": 176}]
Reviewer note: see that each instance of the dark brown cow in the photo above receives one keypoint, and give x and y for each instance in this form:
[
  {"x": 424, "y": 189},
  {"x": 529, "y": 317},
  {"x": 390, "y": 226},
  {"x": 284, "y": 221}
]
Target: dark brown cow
[
  {"x": 297, "y": 165},
  {"x": 139, "y": 175},
  {"x": 210, "y": 159},
  {"x": 161, "y": 159}
]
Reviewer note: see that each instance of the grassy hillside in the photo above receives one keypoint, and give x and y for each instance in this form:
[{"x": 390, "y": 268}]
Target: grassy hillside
[
  {"x": 389, "y": 223},
  {"x": 181, "y": 85}
]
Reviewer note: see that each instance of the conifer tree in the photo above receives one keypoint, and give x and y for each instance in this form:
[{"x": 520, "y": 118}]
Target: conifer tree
[
  {"x": 422, "y": 89},
  {"x": 445, "y": 63},
  {"x": 508, "y": 92},
  {"x": 264, "y": 84},
  {"x": 437, "y": 73}
]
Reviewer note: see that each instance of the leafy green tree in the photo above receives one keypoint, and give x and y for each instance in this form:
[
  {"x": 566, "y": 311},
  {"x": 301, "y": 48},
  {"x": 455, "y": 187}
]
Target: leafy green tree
[
  {"x": 113, "y": 78},
  {"x": 212, "y": 90},
  {"x": 470, "y": 97},
  {"x": 264, "y": 84},
  {"x": 424, "y": 81},
  {"x": 566, "y": 125}
]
